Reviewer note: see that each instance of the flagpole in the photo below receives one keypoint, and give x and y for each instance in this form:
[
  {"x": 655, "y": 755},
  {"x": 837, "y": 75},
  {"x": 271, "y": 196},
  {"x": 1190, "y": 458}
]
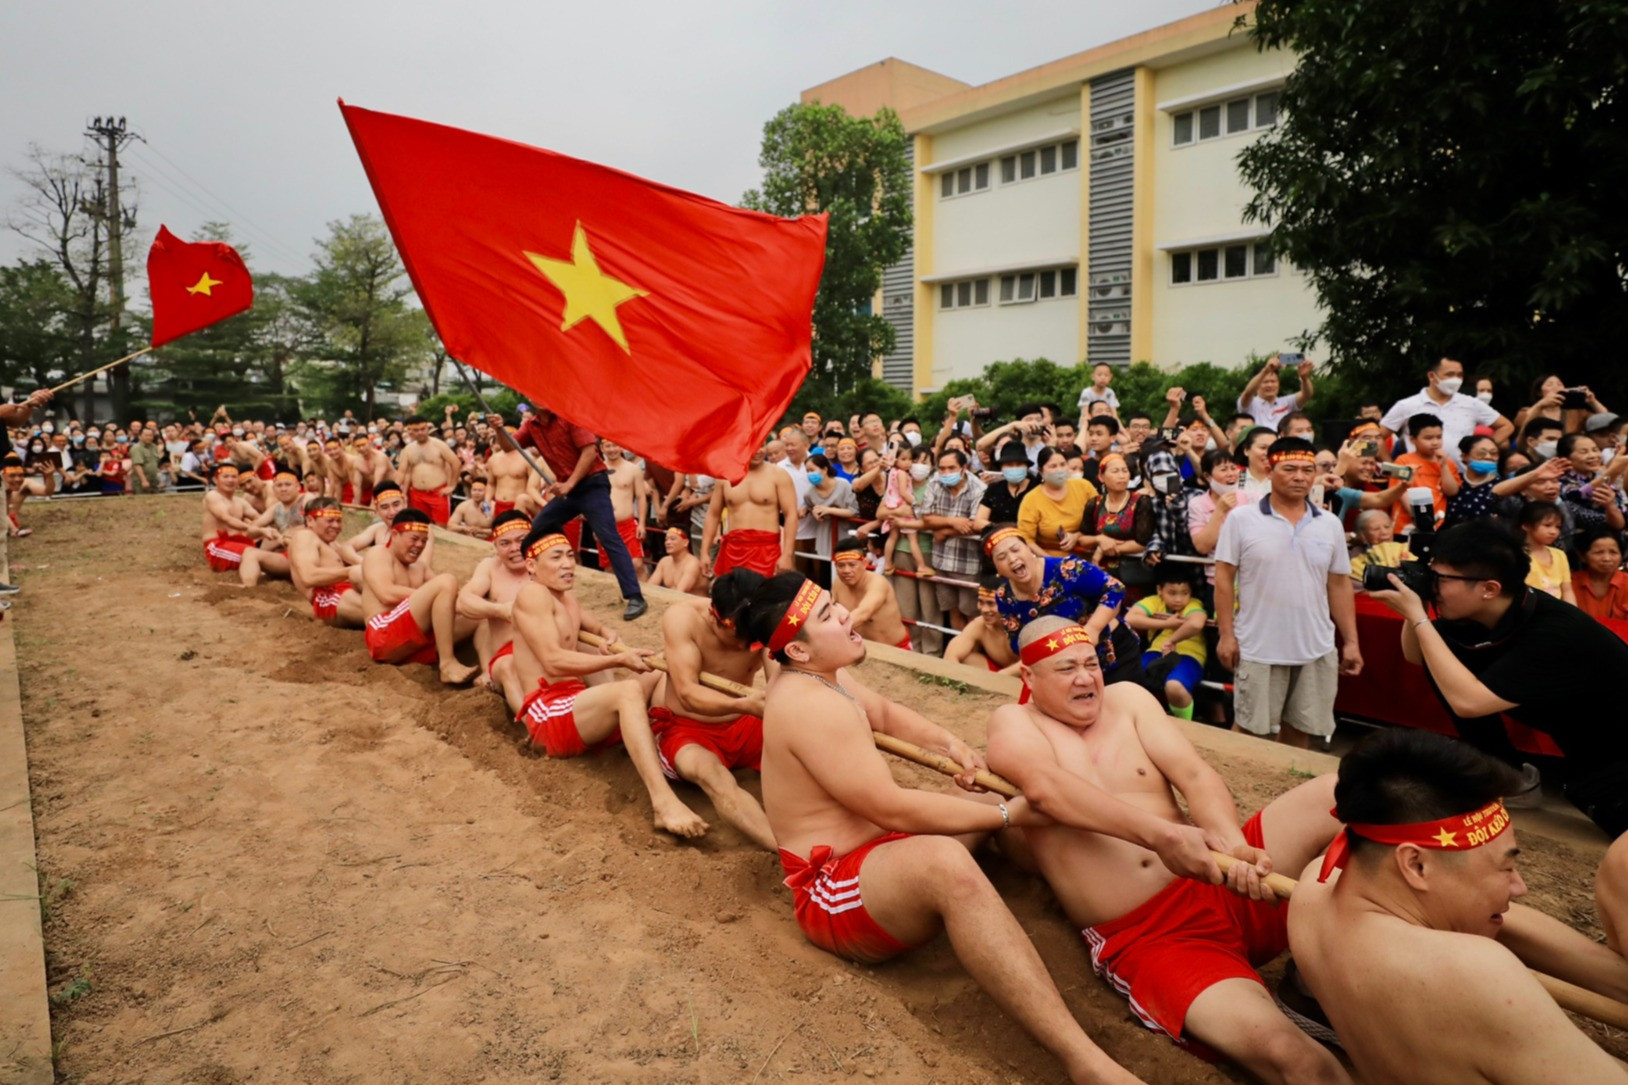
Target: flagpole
[
  {"x": 103, "y": 369},
  {"x": 487, "y": 407}
]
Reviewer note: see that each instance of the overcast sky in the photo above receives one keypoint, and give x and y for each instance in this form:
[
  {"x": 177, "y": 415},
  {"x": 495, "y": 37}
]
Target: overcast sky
[{"x": 235, "y": 102}]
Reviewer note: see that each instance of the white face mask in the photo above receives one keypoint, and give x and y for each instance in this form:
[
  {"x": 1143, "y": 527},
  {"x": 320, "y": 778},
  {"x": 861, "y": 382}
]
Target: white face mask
[
  {"x": 1217, "y": 486},
  {"x": 49, "y": 427},
  {"x": 1450, "y": 385},
  {"x": 1484, "y": 397},
  {"x": 1546, "y": 449},
  {"x": 1209, "y": 444},
  {"x": 1607, "y": 455},
  {"x": 701, "y": 482},
  {"x": 913, "y": 437},
  {"x": 920, "y": 471}
]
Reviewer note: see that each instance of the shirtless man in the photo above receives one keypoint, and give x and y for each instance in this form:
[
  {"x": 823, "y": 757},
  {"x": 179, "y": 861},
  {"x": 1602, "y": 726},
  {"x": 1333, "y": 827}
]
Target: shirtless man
[
  {"x": 1423, "y": 902},
  {"x": 984, "y": 643},
  {"x": 286, "y": 512},
  {"x": 1104, "y": 763},
  {"x": 388, "y": 502},
  {"x": 514, "y": 485},
  {"x": 320, "y": 572},
  {"x": 410, "y": 610},
  {"x": 488, "y": 598},
  {"x": 229, "y": 531},
  {"x": 630, "y": 501},
  {"x": 874, "y": 868},
  {"x": 428, "y": 470},
  {"x": 475, "y": 516},
  {"x": 340, "y": 471},
  {"x": 372, "y": 466},
  {"x": 701, "y": 733},
  {"x": 680, "y": 569},
  {"x": 872, "y": 607},
  {"x": 563, "y": 712},
  {"x": 762, "y": 511}
]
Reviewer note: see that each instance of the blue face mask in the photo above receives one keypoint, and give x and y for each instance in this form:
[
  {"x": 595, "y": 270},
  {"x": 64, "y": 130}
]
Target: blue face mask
[
  {"x": 951, "y": 481},
  {"x": 1015, "y": 475},
  {"x": 816, "y": 477},
  {"x": 1482, "y": 467}
]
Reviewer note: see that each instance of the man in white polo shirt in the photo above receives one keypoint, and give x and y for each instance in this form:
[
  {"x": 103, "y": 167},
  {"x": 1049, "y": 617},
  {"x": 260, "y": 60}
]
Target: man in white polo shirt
[
  {"x": 796, "y": 442},
  {"x": 1260, "y": 399},
  {"x": 1459, "y": 413},
  {"x": 1283, "y": 560}
]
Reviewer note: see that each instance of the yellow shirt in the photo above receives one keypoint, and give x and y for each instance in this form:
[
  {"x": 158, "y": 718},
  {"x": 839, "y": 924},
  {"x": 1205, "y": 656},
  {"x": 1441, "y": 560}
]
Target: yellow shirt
[
  {"x": 1039, "y": 517},
  {"x": 1193, "y": 647},
  {"x": 1549, "y": 577},
  {"x": 1386, "y": 553}
]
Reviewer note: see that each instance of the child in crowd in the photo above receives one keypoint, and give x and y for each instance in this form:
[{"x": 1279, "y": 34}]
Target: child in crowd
[
  {"x": 1550, "y": 572},
  {"x": 1432, "y": 468},
  {"x": 1376, "y": 544},
  {"x": 1098, "y": 391},
  {"x": 1174, "y": 621},
  {"x": 900, "y": 503}
]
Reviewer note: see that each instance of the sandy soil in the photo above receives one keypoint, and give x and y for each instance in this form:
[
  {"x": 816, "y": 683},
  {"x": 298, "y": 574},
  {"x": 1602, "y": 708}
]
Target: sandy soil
[{"x": 265, "y": 858}]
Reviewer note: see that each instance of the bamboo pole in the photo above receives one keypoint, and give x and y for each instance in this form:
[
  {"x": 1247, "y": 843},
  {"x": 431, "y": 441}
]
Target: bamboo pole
[{"x": 101, "y": 369}]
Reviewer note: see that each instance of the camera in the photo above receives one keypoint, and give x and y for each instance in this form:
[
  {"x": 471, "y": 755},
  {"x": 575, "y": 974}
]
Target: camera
[
  {"x": 982, "y": 412},
  {"x": 1575, "y": 399},
  {"x": 1396, "y": 471},
  {"x": 1415, "y": 574}
]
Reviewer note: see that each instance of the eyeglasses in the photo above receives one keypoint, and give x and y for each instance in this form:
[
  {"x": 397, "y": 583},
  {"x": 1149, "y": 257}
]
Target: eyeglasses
[{"x": 1451, "y": 576}]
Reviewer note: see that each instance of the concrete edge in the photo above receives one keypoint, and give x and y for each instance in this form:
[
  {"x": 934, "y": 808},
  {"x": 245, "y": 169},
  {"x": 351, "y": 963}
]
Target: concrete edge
[{"x": 25, "y": 1015}]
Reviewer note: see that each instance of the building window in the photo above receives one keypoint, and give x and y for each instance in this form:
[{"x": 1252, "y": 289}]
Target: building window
[
  {"x": 1041, "y": 161},
  {"x": 1019, "y": 288},
  {"x": 1227, "y": 118},
  {"x": 965, "y": 180},
  {"x": 1225, "y": 263},
  {"x": 966, "y": 294}
]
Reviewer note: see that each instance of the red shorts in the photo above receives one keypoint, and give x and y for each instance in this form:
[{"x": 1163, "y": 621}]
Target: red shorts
[
  {"x": 347, "y": 495},
  {"x": 1183, "y": 940},
  {"x": 386, "y": 634},
  {"x": 739, "y": 745},
  {"x": 992, "y": 665},
  {"x": 432, "y": 503},
  {"x": 367, "y": 495},
  {"x": 758, "y": 551},
  {"x": 506, "y": 650},
  {"x": 225, "y": 552},
  {"x": 267, "y": 469},
  {"x": 501, "y": 507},
  {"x": 905, "y": 644},
  {"x": 325, "y": 601},
  {"x": 573, "y": 533},
  {"x": 632, "y": 538},
  {"x": 549, "y": 716},
  {"x": 825, "y": 896}
]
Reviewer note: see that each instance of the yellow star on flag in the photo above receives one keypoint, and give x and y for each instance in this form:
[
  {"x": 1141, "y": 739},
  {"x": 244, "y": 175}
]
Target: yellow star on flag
[
  {"x": 589, "y": 292},
  {"x": 203, "y": 285},
  {"x": 1447, "y": 839}
]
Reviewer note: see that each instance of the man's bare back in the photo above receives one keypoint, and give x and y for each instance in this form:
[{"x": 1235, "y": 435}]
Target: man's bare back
[
  {"x": 726, "y": 658},
  {"x": 874, "y": 607}
]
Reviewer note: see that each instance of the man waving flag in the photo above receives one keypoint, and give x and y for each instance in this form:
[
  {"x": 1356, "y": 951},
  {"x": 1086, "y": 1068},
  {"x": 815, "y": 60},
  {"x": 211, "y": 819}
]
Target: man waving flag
[{"x": 666, "y": 321}]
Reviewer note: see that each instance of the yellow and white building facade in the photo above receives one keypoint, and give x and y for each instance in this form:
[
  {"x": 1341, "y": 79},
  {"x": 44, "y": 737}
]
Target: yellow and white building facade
[{"x": 1088, "y": 209}]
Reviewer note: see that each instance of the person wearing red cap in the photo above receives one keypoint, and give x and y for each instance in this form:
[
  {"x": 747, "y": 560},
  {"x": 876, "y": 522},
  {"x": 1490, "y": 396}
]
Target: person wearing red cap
[
  {"x": 1411, "y": 950},
  {"x": 1160, "y": 921}
]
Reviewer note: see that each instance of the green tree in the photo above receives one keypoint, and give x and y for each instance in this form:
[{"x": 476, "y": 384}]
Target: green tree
[
  {"x": 357, "y": 301},
  {"x": 1450, "y": 176},
  {"x": 37, "y": 331},
  {"x": 817, "y": 158}
]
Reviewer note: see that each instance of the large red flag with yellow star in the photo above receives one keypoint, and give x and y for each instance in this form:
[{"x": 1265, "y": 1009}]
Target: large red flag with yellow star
[
  {"x": 192, "y": 284},
  {"x": 673, "y": 324}
]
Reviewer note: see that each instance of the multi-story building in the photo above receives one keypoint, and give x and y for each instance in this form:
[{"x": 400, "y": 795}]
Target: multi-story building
[{"x": 1088, "y": 209}]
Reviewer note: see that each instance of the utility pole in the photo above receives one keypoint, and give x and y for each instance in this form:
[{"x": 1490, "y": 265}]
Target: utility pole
[{"x": 110, "y": 134}]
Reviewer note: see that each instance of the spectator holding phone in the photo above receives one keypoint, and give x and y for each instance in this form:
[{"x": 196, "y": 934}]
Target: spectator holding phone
[
  {"x": 1031, "y": 427},
  {"x": 1552, "y": 399},
  {"x": 1260, "y": 399},
  {"x": 1592, "y": 490},
  {"x": 1459, "y": 413}
]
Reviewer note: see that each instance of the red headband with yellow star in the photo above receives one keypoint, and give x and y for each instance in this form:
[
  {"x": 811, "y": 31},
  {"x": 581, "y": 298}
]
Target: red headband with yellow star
[
  {"x": 418, "y": 526},
  {"x": 325, "y": 514},
  {"x": 1457, "y": 832},
  {"x": 802, "y": 605},
  {"x": 1046, "y": 647}
]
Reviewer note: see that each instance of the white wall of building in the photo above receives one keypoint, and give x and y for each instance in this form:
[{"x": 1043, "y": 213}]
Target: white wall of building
[{"x": 967, "y": 340}]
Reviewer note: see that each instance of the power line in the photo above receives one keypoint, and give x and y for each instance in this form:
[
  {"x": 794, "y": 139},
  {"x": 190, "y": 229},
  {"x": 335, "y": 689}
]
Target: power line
[
  {"x": 198, "y": 201},
  {"x": 237, "y": 216}
]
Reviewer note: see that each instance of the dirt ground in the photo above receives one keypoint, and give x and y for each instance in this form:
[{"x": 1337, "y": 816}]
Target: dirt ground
[{"x": 265, "y": 858}]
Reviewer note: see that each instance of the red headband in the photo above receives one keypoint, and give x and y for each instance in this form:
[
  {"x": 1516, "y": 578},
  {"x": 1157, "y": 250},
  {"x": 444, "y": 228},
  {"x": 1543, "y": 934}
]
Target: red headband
[
  {"x": 509, "y": 527},
  {"x": 853, "y": 557},
  {"x": 1457, "y": 832},
  {"x": 999, "y": 537},
  {"x": 802, "y": 605},
  {"x": 547, "y": 542},
  {"x": 1046, "y": 647},
  {"x": 410, "y": 525},
  {"x": 324, "y": 513},
  {"x": 1293, "y": 455}
]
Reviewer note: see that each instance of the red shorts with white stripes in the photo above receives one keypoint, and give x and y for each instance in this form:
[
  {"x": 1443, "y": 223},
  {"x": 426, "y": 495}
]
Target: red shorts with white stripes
[
  {"x": 225, "y": 552},
  {"x": 389, "y": 633},
  {"x": 905, "y": 645},
  {"x": 738, "y": 744},
  {"x": 506, "y": 650},
  {"x": 549, "y": 717},
  {"x": 325, "y": 601},
  {"x": 1183, "y": 940},
  {"x": 825, "y": 896}
]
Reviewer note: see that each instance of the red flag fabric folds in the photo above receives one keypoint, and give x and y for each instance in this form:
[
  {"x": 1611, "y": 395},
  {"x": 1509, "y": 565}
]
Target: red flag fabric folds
[
  {"x": 673, "y": 324},
  {"x": 193, "y": 284}
]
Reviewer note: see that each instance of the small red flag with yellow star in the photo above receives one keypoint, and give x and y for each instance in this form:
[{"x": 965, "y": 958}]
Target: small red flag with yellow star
[{"x": 193, "y": 284}]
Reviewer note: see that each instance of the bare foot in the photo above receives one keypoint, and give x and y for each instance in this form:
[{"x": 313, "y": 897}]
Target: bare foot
[
  {"x": 483, "y": 680},
  {"x": 454, "y": 673},
  {"x": 678, "y": 819}
]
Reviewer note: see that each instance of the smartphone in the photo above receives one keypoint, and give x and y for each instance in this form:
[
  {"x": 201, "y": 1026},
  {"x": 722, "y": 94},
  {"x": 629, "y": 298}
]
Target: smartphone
[
  {"x": 1368, "y": 448},
  {"x": 1291, "y": 360},
  {"x": 1575, "y": 399},
  {"x": 982, "y": 412},
  {"x": 1396, "y": 471}
]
